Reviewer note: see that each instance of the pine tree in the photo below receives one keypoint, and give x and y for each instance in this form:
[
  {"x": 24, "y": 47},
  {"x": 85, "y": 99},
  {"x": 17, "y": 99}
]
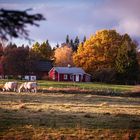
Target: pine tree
[
  {"x": 57, "y": 45},
  {"x": 76, "y": 43},
  {"x": 84, "y": 39},
  {"x": 126, "y": 61},
  {"x": 122, "y": 59},
  {"x": 43, "y": 50},
  {"x": 72, "y": 44},
  {"x": 67, "y": 39}
]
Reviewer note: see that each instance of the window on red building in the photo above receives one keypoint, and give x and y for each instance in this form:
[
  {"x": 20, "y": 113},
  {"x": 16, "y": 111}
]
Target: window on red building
[{"x": 65, "y": 76}]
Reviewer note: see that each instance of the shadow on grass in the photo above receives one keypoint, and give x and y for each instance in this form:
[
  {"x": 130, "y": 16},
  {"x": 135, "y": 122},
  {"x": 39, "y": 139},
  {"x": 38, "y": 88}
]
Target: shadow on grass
[
  {"x": 96, "y": 92},
  {"x": 57, "y": 119},
  {"x": 62, "y": 98},
  {"x": 25, "y": 122}
]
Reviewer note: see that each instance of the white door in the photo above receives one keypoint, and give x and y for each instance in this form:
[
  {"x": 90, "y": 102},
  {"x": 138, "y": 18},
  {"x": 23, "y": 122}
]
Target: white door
[{"x": 77, "y": 78}]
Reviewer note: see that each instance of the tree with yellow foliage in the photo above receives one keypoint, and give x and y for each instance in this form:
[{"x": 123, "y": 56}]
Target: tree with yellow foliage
[
  {"x": 99, "y": 54},
  {"x": 99, "y": 51},
  {"x": 63, "y": 56}
]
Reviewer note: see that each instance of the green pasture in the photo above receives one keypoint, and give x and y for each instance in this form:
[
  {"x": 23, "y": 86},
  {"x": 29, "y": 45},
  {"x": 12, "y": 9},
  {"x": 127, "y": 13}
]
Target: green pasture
[
  {"x": 89, "y": 86},
  {"x": 84, "y": 86}
]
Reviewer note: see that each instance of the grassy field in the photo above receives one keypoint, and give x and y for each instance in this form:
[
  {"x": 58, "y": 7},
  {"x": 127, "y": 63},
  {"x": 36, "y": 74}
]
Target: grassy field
[
  {"x": 60, "y": 116},
  {"x": 85, "y": 86},
  {"x": 90, "y": 86}
]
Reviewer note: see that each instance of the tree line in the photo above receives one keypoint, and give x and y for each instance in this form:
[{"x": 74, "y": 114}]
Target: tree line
[
  {"x": 107, "y": 55},
  {"x": 22, "y": 60}
]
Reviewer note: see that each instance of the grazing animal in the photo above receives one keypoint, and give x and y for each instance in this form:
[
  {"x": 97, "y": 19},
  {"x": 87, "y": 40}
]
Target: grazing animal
[
  {"x": 22, "y": 87},
  {"x": 10, "y": 86},
  {"x": 28, "y": 87}
]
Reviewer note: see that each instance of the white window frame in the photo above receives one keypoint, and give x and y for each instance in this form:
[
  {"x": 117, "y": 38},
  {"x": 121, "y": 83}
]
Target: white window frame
[
  {"x": 33, "y": 78},
  {"x": 71, "y": 77},
  {"x": 65, "y": 76}
]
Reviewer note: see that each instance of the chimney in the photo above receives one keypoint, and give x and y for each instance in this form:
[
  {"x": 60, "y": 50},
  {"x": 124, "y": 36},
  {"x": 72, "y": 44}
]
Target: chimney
[{"x": 69, "y": 65}]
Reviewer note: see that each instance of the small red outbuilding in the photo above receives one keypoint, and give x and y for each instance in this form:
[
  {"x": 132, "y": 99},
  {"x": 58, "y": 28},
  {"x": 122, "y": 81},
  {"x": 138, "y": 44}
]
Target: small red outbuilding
[{"x": 69, "y": 74}]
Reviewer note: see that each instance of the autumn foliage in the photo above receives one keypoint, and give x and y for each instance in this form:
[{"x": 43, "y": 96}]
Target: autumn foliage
[
  {"x": 63, "y": 56},
  {"x": 22, "y": 60},
  {"x": 107, "y": 55},
  {"x": 100, "y": 56}
]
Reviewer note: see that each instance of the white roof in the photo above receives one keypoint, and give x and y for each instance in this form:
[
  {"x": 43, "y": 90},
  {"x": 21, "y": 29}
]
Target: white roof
[{"x": 70, "y": 70}]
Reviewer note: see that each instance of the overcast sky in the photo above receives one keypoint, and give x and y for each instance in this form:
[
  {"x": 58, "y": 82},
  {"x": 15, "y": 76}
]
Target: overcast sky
[{"x": 79, "y": 17}]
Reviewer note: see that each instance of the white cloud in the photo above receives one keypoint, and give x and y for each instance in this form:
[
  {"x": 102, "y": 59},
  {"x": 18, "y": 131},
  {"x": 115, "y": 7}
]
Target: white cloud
[
  {"x": 130, "y": 26},
  {"x": 83, "y": 18},
  {"x": 127, "y": 14}
]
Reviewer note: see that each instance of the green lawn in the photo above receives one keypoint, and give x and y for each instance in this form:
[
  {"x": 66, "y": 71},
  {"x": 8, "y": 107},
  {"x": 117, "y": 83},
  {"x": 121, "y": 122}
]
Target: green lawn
[
  {"x": 90, "y": 86},
  {"x": 87, "y": 86}
]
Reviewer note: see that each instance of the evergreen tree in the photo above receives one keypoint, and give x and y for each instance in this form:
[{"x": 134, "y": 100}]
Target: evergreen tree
[
  {"x": 84, "y": 39},
  {"x": 57, "y": 45},
  {"x": 126, "y": 61},
  {"x": 122, "y": 59},
  {"x": 72, "y": 44},
  {"x": 67, "y": 39},
  {"x": 76, "y": 43},
  {"x": 43, "y": 50}
]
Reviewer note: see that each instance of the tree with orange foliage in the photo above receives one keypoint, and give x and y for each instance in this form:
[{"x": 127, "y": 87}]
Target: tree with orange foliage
[
  {"x": 99, "y": 56},
  {"x": 63, "y": 56},
  {"x": 99, "y": 51}
]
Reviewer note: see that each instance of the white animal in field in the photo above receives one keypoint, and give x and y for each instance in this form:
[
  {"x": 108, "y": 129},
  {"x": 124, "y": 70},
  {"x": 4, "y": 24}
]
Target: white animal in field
[
  {"x": 28, "y": 87},
  {"x": 22, "y": 87},
  {"x": 10, "y": 86}
]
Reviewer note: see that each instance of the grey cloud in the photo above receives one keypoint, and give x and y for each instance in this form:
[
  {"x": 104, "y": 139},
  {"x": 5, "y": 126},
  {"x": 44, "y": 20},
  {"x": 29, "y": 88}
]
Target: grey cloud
[{"x": 84, "y": 18}]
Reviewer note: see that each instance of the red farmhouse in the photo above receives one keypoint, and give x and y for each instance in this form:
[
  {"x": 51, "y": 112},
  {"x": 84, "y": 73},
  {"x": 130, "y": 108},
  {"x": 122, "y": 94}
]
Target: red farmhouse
[{"x": 69, "y": 74}]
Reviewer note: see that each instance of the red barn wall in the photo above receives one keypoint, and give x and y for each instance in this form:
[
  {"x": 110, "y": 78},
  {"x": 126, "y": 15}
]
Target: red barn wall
[
  {"x": 53, "y": 74},
  {"x": 60, "y": 77}
]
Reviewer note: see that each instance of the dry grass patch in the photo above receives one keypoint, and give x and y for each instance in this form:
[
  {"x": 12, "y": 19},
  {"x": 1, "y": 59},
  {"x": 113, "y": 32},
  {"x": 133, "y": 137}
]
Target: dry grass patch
[
  {"x": 22, "y": 106},
  {"x": 34, "y": 133},
  {"x": 68, "y": 116},
  {"x": 104, "y": 104}
]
